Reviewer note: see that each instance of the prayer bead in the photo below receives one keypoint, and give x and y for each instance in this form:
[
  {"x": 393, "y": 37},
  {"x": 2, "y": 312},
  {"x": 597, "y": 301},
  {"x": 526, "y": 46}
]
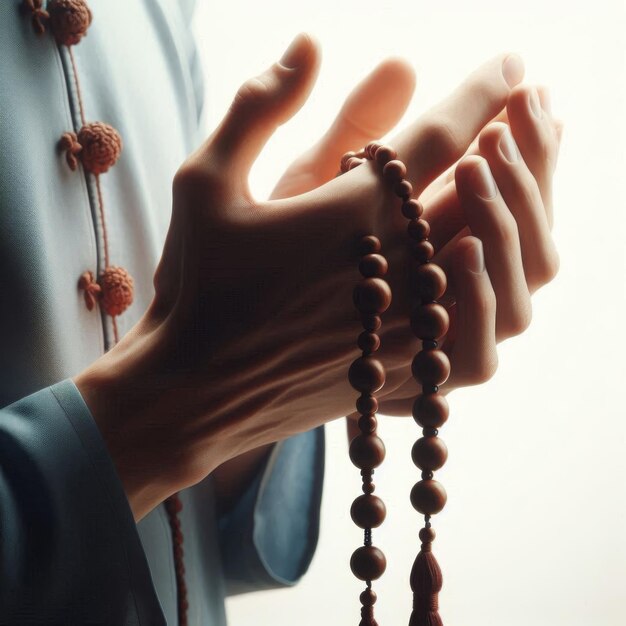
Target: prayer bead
[
  {"x": 428, "y": 497},
  {"x": 429, "y": 453},
  {"x": 430, "y": 321},
  {"x": 431, "y": 367},
  {"x": 367, "y": 451},
  {"x": 368, "y": 563},
  {"x": 368, "y": 511},
  {"x": 366, "y": 374}
]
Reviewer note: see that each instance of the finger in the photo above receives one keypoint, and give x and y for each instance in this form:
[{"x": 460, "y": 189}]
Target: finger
[
  {"x": 440, "y": 137},
  {"x": 536, "y": 136},
  {"x": 371, "y": 110},
  {"x": 522, "y": 196},
  {"x": 473, "y": 354},
  {"x": 491, "y": 221},
  {"x": 262, "y": 104}
]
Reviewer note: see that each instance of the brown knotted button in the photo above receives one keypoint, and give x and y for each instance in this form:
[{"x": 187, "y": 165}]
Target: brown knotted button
[
  {"x": 117, "y": 290},
  {"x": 101, "y": 146},
  {"x": 69, "y": 20}
]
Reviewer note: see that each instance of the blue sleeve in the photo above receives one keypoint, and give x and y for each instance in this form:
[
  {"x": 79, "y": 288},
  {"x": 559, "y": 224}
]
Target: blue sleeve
[
  {"x": 69, "y": 548},
  {"x": 268, "y": 540}
]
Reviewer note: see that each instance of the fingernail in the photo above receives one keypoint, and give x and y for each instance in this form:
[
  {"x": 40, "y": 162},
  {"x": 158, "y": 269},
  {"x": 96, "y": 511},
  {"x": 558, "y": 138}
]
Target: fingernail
[
  {"x": 482, "y": 181},
  {"x": 533, "y": 103},
  {"x": 296, "y": 53},
  {"x": 475, "y": 258},
  {"x": 513, "y": 69},
  {"x": 508, "y": 148}
]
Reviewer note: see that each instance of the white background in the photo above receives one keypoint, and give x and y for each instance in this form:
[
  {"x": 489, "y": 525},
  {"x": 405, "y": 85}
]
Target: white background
[{"x": 535, "y": 528}]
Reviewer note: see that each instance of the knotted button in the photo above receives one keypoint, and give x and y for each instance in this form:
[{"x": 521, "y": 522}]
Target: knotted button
[
  {"x": 117, "y": 290},
  {"x": 97, "y": 145},
  {"x": 114, "y": 289},
  {"x": 69, "y": 20},
  {"x": 101, "y": 146}
]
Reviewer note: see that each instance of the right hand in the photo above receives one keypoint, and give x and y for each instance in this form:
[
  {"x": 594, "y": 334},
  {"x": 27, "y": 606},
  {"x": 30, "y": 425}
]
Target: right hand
[{"x": 252, "y": 328}]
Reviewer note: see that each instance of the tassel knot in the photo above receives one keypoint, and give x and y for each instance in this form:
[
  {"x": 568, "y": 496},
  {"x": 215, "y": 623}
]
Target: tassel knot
[
  {"x": 69, "y": 144},
  {"x": 91, "y": 289},
  {"x": 38, "y": 14}
]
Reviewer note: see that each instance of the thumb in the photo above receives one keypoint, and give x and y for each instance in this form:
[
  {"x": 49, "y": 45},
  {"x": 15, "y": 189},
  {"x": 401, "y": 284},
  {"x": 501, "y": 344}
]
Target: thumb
[
  {"x": 261, "y": 105},
  {"x": 372, "y": 109}
]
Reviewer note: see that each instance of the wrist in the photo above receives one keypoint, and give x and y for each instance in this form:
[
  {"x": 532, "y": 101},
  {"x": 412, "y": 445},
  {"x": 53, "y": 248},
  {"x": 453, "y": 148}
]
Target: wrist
[{"x": 127, "y": 398}]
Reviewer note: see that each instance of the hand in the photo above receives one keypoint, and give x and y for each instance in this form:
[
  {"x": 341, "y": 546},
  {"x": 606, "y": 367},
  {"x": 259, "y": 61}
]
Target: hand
[
  {"x": 252, "y": 327},
  {"x": 514, "y": 228}
]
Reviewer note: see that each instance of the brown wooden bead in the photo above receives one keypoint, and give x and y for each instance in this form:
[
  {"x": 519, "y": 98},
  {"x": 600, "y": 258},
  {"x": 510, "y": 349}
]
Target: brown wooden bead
[
  {"x": 368, "y": 563},
  {"x": 366, "y": 404},
  {"x": 368, "y": 597},
  {"x": 412, "y": 209},
  {"x": 366, "y": 374},
  {"x": 394, "y": 171},
  {"x": 367, "y": 451},
  {"x": 367, "y": 424},
  {"x": 430, "y": 321},
  {"x": 369, "y": 245},
  {"x": 369, "y": 488},
  {"x": 427, "y": 535},
  {"x": 384, "y": 154},
  {"x": 418, "y": 229},
  {"x": 429, "y": 453},
  {"x": 422, "y": 251},
  {"x": 372, "y": 295},
  {"x": 403, "y": 189},
  {"x": 373, "y": 265},
  {"x": 368, "y": 342},
  {"x": 431, "y": 367},
  {"x": 428, "y": 497},
  {"x": 431, "y": 410},
  {"x": 368, "y": 511},
  {"x": 430, "y": 281},
  {"x": 370, "y": 322}
]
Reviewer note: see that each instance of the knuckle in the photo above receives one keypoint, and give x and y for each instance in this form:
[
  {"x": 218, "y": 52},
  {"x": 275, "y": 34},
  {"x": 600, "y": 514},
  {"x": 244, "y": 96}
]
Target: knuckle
[
  {"x": 252, "y": 91},
  {"x": 440, "y": 140},
  {"x": 507, "y": 232},
  {"x": 488, "y": 367},
  {"x": 519, "y": 320},
  {"x": 195, "y": 178},
  {"x": 549, "y": 268},
  {"x": 483, "y": 368}
]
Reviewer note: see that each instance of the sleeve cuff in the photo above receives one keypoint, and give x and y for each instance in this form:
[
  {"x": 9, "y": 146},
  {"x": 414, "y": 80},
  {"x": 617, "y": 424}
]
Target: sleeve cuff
[
  {"x": 72, "y": 553},
  {"x": 268, "y": 540}
]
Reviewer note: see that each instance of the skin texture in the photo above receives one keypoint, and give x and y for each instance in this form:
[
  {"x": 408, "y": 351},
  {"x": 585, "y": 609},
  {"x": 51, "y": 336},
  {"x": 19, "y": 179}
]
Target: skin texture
[{"x": 252, "y": 327}]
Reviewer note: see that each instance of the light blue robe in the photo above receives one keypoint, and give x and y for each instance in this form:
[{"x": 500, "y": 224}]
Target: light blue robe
[{"x": 70, "y": 551}]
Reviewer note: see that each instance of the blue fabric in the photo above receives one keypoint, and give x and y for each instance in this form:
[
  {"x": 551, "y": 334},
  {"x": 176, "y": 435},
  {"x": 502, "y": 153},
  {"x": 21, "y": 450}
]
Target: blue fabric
[
  {"x": 70, "y": 553},
  {"x": 269, "y": 538}
]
